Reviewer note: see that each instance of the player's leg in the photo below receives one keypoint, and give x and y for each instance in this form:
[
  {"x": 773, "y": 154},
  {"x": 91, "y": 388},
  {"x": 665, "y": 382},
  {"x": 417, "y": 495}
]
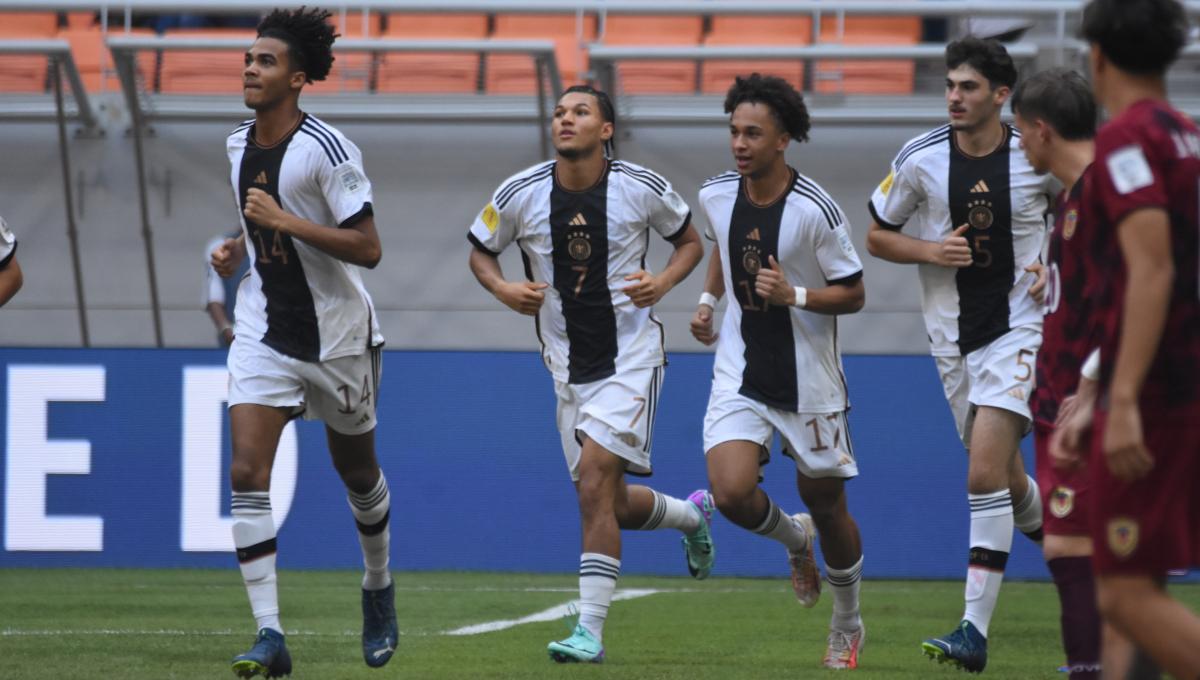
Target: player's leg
[
  {"x": 1027, "y": 499},
  {"x": 1141, "y": 609}
]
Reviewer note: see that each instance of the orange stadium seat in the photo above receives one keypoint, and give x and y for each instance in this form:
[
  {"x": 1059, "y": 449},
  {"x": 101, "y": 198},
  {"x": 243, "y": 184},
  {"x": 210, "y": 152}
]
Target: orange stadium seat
[
  {"x": 25, "y": 72},
  {"x": 755, "y": 30},
  {"x": 433, "y": 71},
  {"x": 94, "y": 60},
  {"x": 204, "y": 71},
  {"x": 868, "y": 77},
  {"x": 657, "y": 77},
  {"x": 351, "y": 70},
  {"x": 514, "y": 74},
  {"x": 81, "y": 19}
]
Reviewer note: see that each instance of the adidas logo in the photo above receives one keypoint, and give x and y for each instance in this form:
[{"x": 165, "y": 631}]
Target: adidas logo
[
  {"x": 980, "y": 187},
  {"x": 578, "y": 221},
  {"x": 261, "y": 178},
  {"x": 753, "y": 235},
  {"x": 1017, "y": 393}
]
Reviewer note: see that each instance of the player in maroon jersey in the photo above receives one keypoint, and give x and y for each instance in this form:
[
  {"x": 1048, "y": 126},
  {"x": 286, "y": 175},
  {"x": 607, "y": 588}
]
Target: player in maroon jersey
[
  {"x": 1056, "y": 115},
  {"x": 1144, "y": 461}
]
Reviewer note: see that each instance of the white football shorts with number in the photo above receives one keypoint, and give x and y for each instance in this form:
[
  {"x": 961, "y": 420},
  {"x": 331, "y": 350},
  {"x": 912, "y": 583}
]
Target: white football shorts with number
[{"x": 616, "y": 412}]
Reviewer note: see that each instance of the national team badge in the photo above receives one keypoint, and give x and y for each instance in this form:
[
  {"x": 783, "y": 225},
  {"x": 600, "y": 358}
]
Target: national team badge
[
  {"x": 751, "y": 262},
  {"x": 579, "y": 246},
  {"x": 1069, "y": 222},
  {"x": 1062, "y": 501},
  {"x": 1122, "y": 536},
  {"x": 979, "y": 214}
]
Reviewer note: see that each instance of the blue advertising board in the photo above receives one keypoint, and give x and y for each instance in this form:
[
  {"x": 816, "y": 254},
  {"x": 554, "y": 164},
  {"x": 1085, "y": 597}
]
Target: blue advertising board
[{"x": 120, "y": 458}]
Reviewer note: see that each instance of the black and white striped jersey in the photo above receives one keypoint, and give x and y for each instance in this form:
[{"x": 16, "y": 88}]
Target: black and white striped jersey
[
  {"x": 782, "y": 356},
  {"x": 933, "y": 188},
  {"x": 8, "y": 244},
  {"x": 584, "y": 244},
  {"x": 299, "y": 300}
]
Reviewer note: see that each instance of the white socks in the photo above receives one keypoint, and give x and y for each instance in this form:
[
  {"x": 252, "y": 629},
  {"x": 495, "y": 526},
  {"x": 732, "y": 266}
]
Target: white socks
[
  {"x": 845, "y": 583},
  {"x": 254, "y": 538},
  {"x": 597, "y": 580},
  {"x": 672, "y": 513},
  {"x": 778, "y": 526},
  {"x": 991, "y": 541},
  {"x": 371, "y": 512},
  {"x": 1027, "y": 512}
]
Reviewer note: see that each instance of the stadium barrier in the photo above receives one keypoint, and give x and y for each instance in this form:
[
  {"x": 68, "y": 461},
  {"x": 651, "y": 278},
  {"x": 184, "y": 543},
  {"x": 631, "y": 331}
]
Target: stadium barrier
[{"x": 119, "y": 458}]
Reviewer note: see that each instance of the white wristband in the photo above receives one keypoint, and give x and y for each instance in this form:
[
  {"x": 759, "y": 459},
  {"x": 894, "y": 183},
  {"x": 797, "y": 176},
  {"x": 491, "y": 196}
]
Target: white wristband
[
  {"x": 1091, "y": 366},
  {"x": 801, "y": 296},
  {"x": 707, "y": 298}
]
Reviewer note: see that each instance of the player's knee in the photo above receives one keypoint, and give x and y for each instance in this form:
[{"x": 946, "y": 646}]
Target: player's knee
[
  {"x": 245, "y": 476},
  {"x": 986, "y": 479},
  {"x": 730, "y": 499}
]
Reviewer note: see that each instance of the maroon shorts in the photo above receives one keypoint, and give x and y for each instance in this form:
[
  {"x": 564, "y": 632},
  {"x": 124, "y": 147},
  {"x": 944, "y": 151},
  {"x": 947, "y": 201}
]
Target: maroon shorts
[
  {"x": 1064, "y": 492},
  {"x": 1151, "y": 525}
]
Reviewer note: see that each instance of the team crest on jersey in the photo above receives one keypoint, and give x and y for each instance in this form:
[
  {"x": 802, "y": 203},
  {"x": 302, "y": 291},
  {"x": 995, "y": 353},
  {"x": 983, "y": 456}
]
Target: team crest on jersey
[
  {"x": 579, "y": 246},
  {"x": 1122, "y": 536},
  {"x": 1062, "y": 501},
  {"x": 1069, "y": 222},
  {"x": 979, "y": 214},
  {"x": 751, "y": 260}
]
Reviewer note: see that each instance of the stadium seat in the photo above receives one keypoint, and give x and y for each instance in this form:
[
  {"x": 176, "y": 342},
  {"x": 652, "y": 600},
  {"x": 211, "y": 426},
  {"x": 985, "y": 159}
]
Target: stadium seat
[
  {"x": 94, "y": 60},
  {"x": 749, "y": 31},
  {"x": 868, "y": 77},
  {"x": 514, "y": 74},
  {"x": 352, "y": 71},
  {"x": 656, "y": 77},
  {"x": 25, "y": 72},
  {"x": 433, "y": 71},
  {"x": 81, "y": 19},
  {"x": 203, "y": 71}
]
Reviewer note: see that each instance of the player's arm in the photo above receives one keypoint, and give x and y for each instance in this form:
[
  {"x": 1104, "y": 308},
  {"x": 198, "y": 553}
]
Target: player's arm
[
  {"x": 1144, "y": 236},
  {"x": 714, "y": 285},
  {"x": 226, "y": 257},
  {"x": 356, "y": 243},
  {"x": 525, "y": 297},
  {"x": 893, "y": 246},
  {"x": 10, "y": 280},
  {"x": 840, "y": 297},
  {"x": 648, "y": 288}
]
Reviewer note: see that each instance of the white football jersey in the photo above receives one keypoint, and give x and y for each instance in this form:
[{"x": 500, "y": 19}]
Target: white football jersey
[
  {"x": 584, "y": 244},
  {"x": 299, "y": 300},
  {"x": 782, "y": 356},
  {"x": 8, "y": 244},
  {"x": 934, "y": 188}
]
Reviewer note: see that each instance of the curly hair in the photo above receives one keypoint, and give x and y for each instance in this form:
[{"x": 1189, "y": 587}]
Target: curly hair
[
  {"x": 1142, "y": 37},
  {"x": 309, "y": 39},
  {"x": 1062, "y": 98},
  {"x": 984, "y": 55},
  {"x": 786, "y": 104}
]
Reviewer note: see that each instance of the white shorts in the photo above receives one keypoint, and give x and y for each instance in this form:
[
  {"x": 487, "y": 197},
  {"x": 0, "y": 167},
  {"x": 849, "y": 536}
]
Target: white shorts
[
  {"x": 616, "y": 412},
  {"x": 1000, "y": 374},
  {"x": 340, "y": 392},
  {"x": 819, "y": 443}
]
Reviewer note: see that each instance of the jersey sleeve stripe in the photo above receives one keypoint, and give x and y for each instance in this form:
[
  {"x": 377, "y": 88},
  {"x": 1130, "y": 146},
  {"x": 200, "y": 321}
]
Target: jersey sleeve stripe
[
  {"x": 823, "y": 201},
  {"x": 845, "y": 280},
  {"x": 682, "y": 228},
  {"x": 516, "y": 187},
  {"x": 909, "y": 151},
  {"x": 642, "y": 172},
  {"x": 11, "y": 254},
  {"x": 880, "y": 221},
  {"x": 820, "y": 193},
  {"x": 502, "y": 194},
  {"x": 723, "y": 177},
  {"x": 333, "y": 137},
  {"x": 366, "y": 211},
  {"x": 479, "y": 245},
  {"x": 829, "y": 217},
  {"x": 334, "y": 148},
  {"x": 639, "y": 179},
  {"x": 328, "y": 154},
  {"x": 936, "y": 132}
]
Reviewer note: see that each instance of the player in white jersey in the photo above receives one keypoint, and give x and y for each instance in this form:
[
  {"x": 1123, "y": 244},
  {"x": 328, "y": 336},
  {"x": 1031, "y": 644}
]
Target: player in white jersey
[
  {"x": 783, "y": 251},
  {"x": 306, "y": 340},
  {"x": 583, "y": 224},
  {"x": 977, "y": 213},
  {"x": 10, "y": 271}
]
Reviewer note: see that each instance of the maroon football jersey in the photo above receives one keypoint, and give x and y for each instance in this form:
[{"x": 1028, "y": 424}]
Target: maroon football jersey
[
  {"x": 1148, "y": 157},
  {"x": 1066, "y": 341}
]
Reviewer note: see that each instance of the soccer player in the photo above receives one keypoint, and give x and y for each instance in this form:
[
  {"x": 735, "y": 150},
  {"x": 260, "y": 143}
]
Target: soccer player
[
  {"x": 10, "y": 271},
  {"x": 783, "y": 250},
  {"x": 977, "y": 210},
  {"x": 1145, "y": 444},
  {"x": 583, "y": 224},
  {"x": 307, "y": 339},
  {"x": 1056, "y": 114},
  {"x": 220, "y": 293}
]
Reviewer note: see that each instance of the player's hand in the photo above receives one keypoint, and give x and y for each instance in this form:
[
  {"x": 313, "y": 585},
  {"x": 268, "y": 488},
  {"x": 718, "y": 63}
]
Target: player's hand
[
  {"x": 525, "y": 297},
  {"x": 227, "y": 336},
  {"x": 646, "y": 290},
  {"x": 954, "y": 251},
  {"x": 702, "y": 325},
  {"x": 262, "y": 209},
  {"x": 226, "y": 257},
  {"x": 772, "y": 286},
  {"x": 1038, "y": 290},
  {"x": 1072, "y": 431},
  {"x": 1124, "y": 447}
]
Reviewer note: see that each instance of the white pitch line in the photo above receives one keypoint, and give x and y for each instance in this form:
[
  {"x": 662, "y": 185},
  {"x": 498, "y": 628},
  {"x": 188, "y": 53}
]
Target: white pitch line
[{"x": 555, "y": 612}]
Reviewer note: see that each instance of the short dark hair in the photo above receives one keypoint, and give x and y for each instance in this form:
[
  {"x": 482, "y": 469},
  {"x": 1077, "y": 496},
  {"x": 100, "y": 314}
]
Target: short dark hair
[
  {"x": 602, "y": 99},
  {"x": 1142, "y": 37},
  {"x": 308, "y": 36},
  {"x": 987, "y": 56},
  {"x": 1062, "y": 98},
  {"x": 786, "y": 104}
]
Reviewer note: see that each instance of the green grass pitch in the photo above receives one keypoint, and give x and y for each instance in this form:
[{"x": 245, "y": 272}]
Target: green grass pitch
[{"x": 183, "y": 624}]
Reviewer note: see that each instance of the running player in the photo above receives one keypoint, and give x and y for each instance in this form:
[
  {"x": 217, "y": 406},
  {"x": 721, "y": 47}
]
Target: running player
[
  {"x": 1144, "y": 461},
  {"x": 783, "y": 250},
  {"x": 307, "y": 340},
  {"x": 583, "y": 223},
  {"x": 978, "y": 212},
  {"x": 10, "y": 271},
  {"x": 1056, "y": 114}
]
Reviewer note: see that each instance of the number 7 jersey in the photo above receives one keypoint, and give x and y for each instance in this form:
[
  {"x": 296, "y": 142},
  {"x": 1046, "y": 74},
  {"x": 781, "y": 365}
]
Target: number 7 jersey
[{"x": 784, "y": 357}]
